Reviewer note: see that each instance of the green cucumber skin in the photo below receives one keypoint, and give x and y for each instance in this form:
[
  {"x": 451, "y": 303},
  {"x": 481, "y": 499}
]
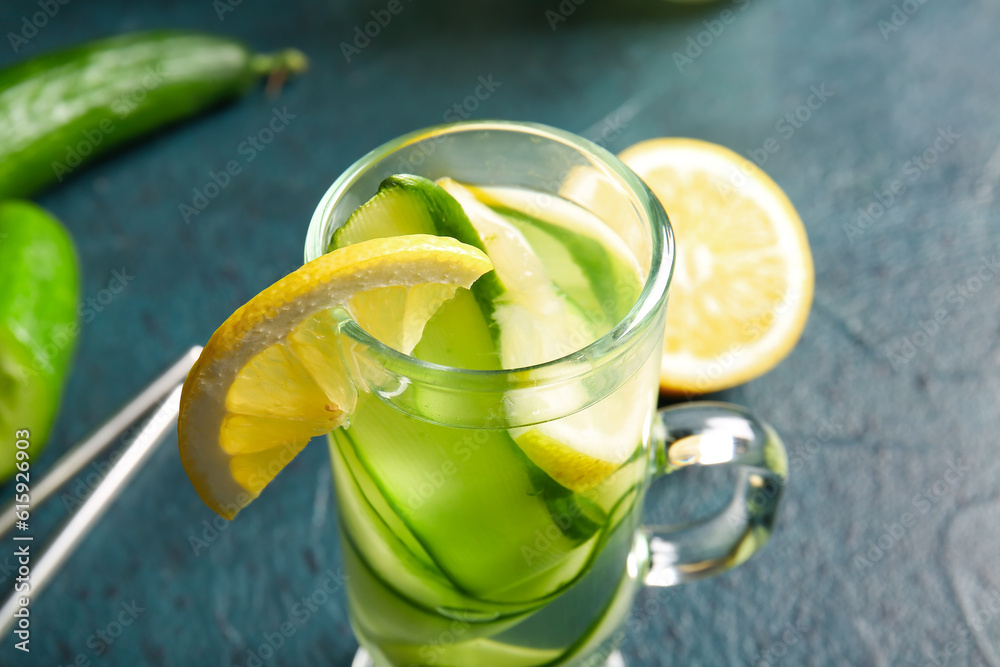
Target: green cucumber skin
[
  {"x": 607, "y": 283},
  {"x": 450, "y": 219},
  {"x": 39, "y": 292},
  {"x": 88, "y": 99},
  {"x": 445, "y": 217}
]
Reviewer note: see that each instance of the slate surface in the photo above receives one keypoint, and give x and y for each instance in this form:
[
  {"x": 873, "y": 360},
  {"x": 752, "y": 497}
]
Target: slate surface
[{"x": 873, "y": 435}]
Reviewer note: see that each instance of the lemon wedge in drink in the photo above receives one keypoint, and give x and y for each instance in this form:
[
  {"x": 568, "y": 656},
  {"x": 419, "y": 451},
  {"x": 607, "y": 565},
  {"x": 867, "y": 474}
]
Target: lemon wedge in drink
[
  {"x": 743, "y": 280},
  {"x": 274, "y": 374},
  {"x": 538, "y": 324}
]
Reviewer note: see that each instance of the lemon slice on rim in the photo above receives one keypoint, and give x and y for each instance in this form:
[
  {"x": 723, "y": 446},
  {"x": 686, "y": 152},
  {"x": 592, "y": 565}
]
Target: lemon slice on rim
[
  {"x": 275, "y": 374},
  {"x": 743, "y": 279}
]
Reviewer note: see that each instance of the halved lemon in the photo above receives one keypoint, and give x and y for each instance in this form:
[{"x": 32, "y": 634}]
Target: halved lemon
[
  {"x": 743, "y": 280},
  {"x": 275, "y": 374}
]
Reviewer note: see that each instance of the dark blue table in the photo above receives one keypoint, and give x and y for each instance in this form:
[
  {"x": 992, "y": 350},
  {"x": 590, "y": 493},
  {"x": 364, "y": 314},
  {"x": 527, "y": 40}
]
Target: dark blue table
[{"x": 887, "y": 551}]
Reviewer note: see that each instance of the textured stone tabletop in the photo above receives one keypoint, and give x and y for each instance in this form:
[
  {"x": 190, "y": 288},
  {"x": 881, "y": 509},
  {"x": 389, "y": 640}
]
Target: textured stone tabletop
[{"x": 885, "y": 116}]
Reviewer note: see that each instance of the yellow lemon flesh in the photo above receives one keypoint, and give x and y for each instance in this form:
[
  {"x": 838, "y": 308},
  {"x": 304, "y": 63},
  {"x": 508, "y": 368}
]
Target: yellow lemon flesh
[
  {"x": 275, "y": 374},
  {"x": 743, "y": 279}
]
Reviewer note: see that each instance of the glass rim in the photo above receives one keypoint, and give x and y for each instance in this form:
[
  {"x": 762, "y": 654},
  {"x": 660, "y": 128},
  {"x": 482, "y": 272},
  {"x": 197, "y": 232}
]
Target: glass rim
[{"x": 632, "y": 325}]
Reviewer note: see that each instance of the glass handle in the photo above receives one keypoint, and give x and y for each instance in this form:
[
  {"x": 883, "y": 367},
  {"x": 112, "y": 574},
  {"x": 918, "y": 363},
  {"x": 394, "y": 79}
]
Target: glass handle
[{"x": 715, "y": 434}]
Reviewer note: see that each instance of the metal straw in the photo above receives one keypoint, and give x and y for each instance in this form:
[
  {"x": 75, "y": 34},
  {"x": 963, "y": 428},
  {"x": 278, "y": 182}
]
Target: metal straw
[{"x": 74, "y": 460}]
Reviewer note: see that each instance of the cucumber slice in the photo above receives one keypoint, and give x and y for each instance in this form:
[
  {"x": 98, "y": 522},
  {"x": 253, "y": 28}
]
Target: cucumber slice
[
  {"x": 536, "y": 323},
  {"x": 609, "y": 624},
  {"x": 407, "y": 204},
  {"x": 595, "y": 252},
  {"x": 390, "y": 550},
  {"x": 381, "y": 615},
  {"x": 459, "y": 336},
  {"x": 472, "y": 502},
  {"x": 380, "y": 528},
  {"x": 409, "y": 635},
  {"x": 563, "y": 268},
  {"x": 566, "y": 621}
]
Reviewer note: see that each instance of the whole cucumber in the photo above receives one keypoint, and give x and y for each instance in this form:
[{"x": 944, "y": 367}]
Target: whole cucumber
[
  {"x": 60, "y": 110},
  {"x": 39, "y": 293}
]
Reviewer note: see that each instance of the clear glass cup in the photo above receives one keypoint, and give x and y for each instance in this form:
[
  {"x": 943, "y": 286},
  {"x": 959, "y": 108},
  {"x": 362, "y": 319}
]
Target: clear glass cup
[{"x": 448, "y": 566}]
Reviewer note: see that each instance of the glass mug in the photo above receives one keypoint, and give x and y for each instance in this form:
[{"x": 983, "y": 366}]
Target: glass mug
[{"x": 458, "y": 551}]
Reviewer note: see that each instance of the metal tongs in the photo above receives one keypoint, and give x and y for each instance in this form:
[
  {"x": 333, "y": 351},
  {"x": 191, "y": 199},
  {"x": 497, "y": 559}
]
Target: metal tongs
[{"x": 165, "y": 394}]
